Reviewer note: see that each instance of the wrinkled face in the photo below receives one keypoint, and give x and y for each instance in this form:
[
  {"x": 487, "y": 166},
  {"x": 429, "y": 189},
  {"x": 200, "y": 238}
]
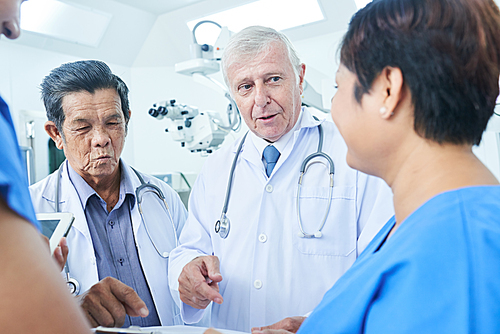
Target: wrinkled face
[
  {"x": 9, "y": 18},
  {"x": 94, "y": 132},
  {"x": 267, "y": 92}
]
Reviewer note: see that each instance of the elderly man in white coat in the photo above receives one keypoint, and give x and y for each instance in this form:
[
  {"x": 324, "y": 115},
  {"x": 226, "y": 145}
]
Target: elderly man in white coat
[
  {"x": 117, "y": 255},
  {"x": 272, "y": 264}
]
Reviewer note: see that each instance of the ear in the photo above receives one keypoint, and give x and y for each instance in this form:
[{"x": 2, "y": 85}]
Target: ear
[
  {"x": 391, "y": 81},
  {"x": 54, "y": 133},
  {"x": 302, "y": 73},
  {"x": 126, "y": 125}
]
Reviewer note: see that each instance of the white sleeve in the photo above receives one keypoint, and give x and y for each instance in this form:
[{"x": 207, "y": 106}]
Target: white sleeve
[
  {"x": 375, "y": 208},
  {"x": 194, "y": 241}
]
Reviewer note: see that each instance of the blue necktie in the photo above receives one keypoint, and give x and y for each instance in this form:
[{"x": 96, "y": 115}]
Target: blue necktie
[{"x": 271, "y": 155}]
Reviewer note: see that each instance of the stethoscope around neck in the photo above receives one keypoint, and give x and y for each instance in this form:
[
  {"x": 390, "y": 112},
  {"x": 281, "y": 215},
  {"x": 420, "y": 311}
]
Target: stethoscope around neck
[
  {"x": 72, "y": 283},
  {"x": 223, "y": 225}
]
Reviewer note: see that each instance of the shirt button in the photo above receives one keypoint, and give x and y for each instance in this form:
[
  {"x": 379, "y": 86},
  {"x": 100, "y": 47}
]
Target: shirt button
[
  {"x": 269, "y": 188},
  {"x": 111, "y": 223},
  {"x": 257, "y": 284},
  {"x": 262, "y": 238}
]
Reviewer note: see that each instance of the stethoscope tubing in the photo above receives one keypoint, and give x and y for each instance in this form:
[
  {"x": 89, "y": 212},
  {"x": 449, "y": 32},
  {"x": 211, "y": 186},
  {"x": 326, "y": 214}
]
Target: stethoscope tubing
[
  {"x": 222, "y": 226},
  {"x": 73, "y": 284}
]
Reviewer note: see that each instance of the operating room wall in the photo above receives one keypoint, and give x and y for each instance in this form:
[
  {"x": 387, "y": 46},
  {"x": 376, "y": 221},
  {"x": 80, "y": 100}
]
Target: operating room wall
[
  {"x": 148, "y": 147},
  {"x": 23, "y": 69}
]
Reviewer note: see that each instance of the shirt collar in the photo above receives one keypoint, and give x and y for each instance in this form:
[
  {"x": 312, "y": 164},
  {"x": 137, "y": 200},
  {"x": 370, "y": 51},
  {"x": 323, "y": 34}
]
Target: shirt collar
[
  {"x": 281, "y": 143},
  {"x": 84, "y": 190}
]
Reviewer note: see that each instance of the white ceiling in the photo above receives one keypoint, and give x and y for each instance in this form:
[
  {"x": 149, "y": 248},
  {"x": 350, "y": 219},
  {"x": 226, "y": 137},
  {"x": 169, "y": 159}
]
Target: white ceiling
[
  {"x": 154, "y": 32},
  {"x": 158, "y": 7}
]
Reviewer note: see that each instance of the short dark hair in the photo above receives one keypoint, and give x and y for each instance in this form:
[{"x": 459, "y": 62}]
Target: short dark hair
[
  {"x": 448, "y": 52},
  {"x": 84, "y": 75}
]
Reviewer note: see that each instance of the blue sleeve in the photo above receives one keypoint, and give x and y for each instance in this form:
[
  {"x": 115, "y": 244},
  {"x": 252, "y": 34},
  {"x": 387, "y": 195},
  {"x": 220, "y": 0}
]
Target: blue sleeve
[{"x": 13, "y": 174}]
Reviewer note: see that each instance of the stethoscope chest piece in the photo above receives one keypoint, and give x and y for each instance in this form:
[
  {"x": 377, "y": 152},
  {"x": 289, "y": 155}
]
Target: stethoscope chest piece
[
  {"x": 71, "y": 283},
  {"x": 73, "y": 286},
  {"x": 222, "y": 226}
]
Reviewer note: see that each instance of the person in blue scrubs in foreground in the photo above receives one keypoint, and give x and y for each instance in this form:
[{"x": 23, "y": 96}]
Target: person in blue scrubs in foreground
[
  {"x": 33, "y": 295},
  {"x": 417, "y": 85}
]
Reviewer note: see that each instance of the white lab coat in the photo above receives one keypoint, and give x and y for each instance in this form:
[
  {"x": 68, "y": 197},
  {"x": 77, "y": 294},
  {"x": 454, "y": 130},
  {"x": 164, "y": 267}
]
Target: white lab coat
[
  {"x": 81, "y": 260},
  {"x": 269, "y": 273}
]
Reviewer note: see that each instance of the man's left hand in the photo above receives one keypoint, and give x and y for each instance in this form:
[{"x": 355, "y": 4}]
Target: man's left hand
[{"x": 287, "y": 325}]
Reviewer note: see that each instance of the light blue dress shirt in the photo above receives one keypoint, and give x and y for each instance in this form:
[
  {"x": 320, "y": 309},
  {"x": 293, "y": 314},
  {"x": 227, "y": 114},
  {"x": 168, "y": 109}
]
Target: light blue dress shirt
[{"x": 114, "y": 244}]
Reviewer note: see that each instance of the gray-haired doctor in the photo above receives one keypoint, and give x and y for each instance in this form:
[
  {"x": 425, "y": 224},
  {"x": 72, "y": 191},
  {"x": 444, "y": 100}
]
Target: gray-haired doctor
[
  {"x": 270, "y": 264},
  {"x": 117, "y": 255}
]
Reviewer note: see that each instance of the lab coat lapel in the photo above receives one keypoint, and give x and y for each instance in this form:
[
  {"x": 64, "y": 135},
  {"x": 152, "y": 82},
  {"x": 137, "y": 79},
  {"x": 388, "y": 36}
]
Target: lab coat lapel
[
  {"x": 69, "y": 201},
  {"x": 134, "y": 180},
  {"x": 250, "y": 153},
  {"x": 307, "y": 121}
]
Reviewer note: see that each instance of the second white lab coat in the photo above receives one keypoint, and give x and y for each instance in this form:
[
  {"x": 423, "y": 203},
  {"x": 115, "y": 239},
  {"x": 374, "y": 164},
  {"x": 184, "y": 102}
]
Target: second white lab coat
[
  {"x": 81, "y": 259},
  {"x": 269, "y": 273}
]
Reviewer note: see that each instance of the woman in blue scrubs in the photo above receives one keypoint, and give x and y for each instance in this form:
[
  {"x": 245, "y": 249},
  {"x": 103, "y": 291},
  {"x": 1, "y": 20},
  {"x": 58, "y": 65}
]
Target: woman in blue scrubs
[
  {"x": 417, "y": 85},
  {"x": 33, "y": 297}
]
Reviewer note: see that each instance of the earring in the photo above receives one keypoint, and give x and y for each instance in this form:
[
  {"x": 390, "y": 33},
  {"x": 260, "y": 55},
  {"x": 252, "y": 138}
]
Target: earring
[{"x": 383, "y": 110}]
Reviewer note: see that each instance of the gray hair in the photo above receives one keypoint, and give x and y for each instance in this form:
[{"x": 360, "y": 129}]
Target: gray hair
[
  {"x": 250, "y": 42},
  {"x": 79, "y": 76}
]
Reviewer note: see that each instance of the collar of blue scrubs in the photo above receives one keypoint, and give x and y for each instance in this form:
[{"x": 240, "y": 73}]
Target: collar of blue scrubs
[
  {"x": 281, "y": 143},
  {"x": 84, "y": 191}
]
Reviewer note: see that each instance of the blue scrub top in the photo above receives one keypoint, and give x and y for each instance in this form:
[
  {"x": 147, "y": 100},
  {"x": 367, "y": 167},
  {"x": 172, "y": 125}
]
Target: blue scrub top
[
  {"x": 13, "y": 173},
  {"x": 438, "y": 273}
]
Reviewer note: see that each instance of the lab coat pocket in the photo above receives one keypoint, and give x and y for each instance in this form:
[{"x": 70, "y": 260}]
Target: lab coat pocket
[{"x": 338, "y": 235}]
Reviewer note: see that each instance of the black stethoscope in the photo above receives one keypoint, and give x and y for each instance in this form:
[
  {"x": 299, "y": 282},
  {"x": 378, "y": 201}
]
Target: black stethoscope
[
  {"x": 223, "y": 225},
  {"x": 72, "y": 283}
]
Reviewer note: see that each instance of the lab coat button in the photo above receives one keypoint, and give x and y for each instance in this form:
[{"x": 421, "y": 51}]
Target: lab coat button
[
  {"x": 262, "y": 238},
  {"x": 257, "y": 284},
  {"x": 269, "y": 188}
]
